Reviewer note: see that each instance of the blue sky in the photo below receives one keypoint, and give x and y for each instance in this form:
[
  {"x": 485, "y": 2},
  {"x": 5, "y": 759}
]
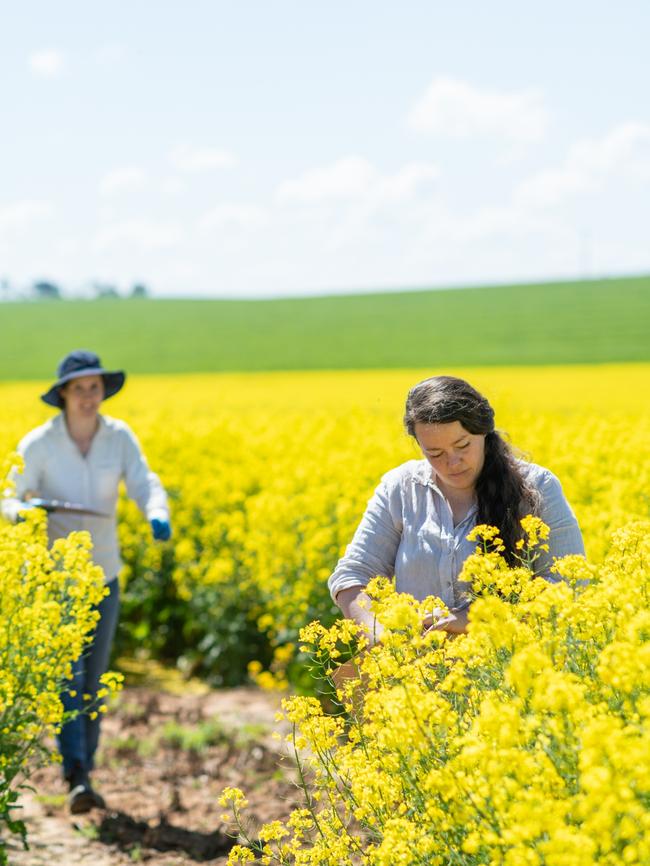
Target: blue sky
[{"x": 278, "y": 148}]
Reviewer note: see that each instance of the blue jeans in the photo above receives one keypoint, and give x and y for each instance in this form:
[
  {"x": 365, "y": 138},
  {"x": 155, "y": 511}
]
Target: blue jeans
[{"x": 79, "y": 737}]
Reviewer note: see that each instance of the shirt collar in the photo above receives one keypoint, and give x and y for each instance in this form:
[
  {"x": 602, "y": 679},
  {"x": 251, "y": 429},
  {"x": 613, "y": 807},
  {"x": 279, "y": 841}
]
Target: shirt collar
[
  {"x": 425, "y": 475},
  {"x": 59, "y": 425}
]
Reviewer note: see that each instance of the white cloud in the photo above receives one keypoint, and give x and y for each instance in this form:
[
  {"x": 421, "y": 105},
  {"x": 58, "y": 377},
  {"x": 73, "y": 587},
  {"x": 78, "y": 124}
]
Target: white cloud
[
  {"x": 625, "y": 148},
  {"x": 354, "y": 178},
  {"x": 623, "y": 153},
  {"x": 233, "y": 216},
  {"x": 173, "y": 186},
  {"x": 142, "y": 233},
  {"x": 459, "y": 110},
  {"x": 346, "y": 178},
  {"x": 121, "y": 180},
  {"x": 487, "y": 222},
  {"x": 198, "y": 159},
  {"x": 47, "y": 64},
  {"x": 406, "y": 182},
  {"x": 548, "y": 188},
  {"x": 22, "y": 214},
  {"x": 350, "y": 203}
]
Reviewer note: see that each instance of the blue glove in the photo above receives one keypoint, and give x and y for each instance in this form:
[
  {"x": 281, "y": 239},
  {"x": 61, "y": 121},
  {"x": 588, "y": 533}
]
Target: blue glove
[{"x": 161, "y": 529}]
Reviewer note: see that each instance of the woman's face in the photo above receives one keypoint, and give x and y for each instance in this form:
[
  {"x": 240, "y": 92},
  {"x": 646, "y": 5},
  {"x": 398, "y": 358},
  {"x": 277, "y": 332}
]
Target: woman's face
[
  {"x": 456, "y": 456},
  {"x": 83, "y": 396}
]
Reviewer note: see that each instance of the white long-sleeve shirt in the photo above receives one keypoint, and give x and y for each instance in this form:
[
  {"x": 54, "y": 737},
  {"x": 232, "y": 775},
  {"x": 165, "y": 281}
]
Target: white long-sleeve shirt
[{"x": 56, "y": 469}]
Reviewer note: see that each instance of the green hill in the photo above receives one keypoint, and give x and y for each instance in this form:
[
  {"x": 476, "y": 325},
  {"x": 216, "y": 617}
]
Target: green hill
[{"x": 551, "y": 323}]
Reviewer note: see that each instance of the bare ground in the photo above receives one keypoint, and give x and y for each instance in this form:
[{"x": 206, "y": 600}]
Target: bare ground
[{"x": 163, "y": 761}]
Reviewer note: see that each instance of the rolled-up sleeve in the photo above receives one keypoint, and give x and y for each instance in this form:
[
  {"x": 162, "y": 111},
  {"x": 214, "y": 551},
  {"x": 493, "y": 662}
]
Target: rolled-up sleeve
[
  {"x": 142, "y": 484},
  {"x": 565, "y": 537},
  {"x": 374, "y": 546}
]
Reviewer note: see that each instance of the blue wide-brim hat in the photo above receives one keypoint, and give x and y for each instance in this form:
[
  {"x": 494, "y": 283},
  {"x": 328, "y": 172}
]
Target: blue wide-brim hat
[{"x": 82, "y": 363}]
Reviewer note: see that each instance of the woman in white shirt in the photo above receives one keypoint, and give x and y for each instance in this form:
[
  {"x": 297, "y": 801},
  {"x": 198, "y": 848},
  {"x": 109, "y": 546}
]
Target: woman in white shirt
[
  {"x": 81, "y": 456},
  {"x": 416, "y": 524}
]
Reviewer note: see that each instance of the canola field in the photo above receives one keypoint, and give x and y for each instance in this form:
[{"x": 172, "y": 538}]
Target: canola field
[
  {"x": 269, "y": 473},
  {"x": 523, "y": 743}
]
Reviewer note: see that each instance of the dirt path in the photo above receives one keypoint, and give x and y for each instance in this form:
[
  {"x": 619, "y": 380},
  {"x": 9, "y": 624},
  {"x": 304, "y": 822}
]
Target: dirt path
[{"x": 162, "y": 764}]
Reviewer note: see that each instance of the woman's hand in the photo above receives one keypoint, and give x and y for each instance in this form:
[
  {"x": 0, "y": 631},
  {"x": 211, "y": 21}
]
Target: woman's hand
[
  {"x": 355, "y": 605},
  {"x": 454, "y": 622}
]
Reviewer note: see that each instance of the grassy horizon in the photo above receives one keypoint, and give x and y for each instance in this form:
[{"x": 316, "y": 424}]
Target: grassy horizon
[{"x": 596, "y": 321}]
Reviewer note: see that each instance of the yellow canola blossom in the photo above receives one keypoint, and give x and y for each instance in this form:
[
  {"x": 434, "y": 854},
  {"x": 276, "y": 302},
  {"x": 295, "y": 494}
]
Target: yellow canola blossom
[
  {"x": 269, "y": 475},
  {"x": 525, "y": 742},
  {"x": 48, "y": 604}
]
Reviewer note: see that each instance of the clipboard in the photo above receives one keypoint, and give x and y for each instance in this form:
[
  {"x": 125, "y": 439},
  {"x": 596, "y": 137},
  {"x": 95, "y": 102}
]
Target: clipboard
[{"x": 59, "y": 506}]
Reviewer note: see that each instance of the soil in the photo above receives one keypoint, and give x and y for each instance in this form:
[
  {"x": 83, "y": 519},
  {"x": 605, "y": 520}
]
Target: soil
[{"x": 162, "y": 764}]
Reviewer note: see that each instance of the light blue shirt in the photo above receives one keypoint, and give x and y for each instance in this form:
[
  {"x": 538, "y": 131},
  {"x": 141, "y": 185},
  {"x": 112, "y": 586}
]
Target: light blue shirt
[{"x": 408, "y": 532}]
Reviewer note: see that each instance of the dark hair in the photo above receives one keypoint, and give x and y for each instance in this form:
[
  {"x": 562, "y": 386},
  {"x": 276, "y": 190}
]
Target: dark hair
[{"x": 503, "y": 494}]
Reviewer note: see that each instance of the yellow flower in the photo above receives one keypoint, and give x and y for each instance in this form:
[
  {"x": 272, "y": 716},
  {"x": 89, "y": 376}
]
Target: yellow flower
[{"x": 234, "y": 796}]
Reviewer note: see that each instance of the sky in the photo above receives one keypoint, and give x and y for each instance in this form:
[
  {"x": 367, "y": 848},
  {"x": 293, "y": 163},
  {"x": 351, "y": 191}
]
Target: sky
[{"x": 286, "y": 147}]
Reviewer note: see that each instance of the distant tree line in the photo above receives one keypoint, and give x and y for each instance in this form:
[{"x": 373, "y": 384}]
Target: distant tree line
[{"x": 47, "y": 290}]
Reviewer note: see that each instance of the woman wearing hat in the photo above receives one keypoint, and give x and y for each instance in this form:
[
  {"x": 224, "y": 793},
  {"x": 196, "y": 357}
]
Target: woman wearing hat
[{"x": 81, "y": 456}]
